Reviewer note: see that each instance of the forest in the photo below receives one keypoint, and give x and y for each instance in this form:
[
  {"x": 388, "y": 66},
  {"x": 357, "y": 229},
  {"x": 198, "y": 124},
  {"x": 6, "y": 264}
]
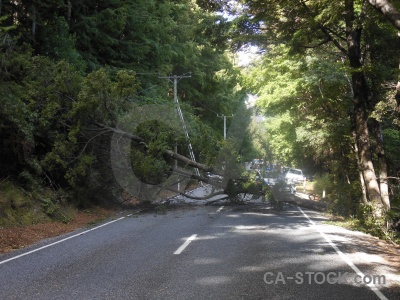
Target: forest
[{"x": 89, "y": 93}]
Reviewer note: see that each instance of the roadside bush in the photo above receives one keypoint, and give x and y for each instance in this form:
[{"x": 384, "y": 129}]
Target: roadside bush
[
  {"x": 25, "y": 207},
  {"x": 17, "y": 207},
  {"x": 342, "y": 198}
]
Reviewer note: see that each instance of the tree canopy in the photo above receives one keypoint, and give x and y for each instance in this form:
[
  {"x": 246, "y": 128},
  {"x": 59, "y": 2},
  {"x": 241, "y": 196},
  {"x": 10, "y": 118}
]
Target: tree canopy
[
  {"x": 321, "y": 81},
  {"x": 68, "y": 66},
  {"x": 77, "y": 78}
]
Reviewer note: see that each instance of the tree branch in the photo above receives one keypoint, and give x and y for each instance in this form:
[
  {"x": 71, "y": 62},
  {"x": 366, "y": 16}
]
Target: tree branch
[
  {"x": 87, "y": 143},
  {"x": 334, "y": 41},
  {"x": 169, "y": 153},
  {"x": 122, "y": 133},
  {"x": 282, "y": 196},
  {"x": 388, "y": 10},
  {"x": 200, "y": 178},
  {"x": 317, "y": 45},
  {"x": 188, "y": 161},
  {"x": 213, "y": 201},
  {"x": 325, "y": 31},
  {"x": 198, "y": 198}
]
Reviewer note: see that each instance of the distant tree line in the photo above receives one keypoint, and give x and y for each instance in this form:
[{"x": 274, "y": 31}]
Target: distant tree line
[{"x": 326, "y": 82}]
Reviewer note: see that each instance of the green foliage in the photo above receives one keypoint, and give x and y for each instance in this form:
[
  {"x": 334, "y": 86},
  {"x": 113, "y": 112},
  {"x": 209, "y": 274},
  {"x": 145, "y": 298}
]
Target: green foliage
[
  {"x": 65, "y": 70},
  {"x": 205, "y": 141},
  {"x": 392, "y": 144},
  {"x": 244, "y": 182},
  {"x": 308, "y": 90},
  {"x": 20, "y": 207},
  {"x": 12, "y": 196},
  {"x": 343, "y": 198},
  {"x": 364, "y": 221},
  {"x": 149, "y": 164},
  {"x": 368, "y": 222},
  {"x": 59, "y": 44},
  {"x": 305, "y": 114}
]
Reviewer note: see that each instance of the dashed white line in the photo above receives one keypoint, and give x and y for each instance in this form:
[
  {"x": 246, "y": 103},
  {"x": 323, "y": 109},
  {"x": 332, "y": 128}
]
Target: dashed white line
[
  {"x": 345, "y": 258},
  {"x": 58, "y": 242},
  {"x": 185, "y": 244},
  {"x": 219, "y": 209}
]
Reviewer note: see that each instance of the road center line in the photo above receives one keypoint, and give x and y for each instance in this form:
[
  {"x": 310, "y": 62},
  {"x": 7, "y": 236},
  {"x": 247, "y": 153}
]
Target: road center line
[
  {"x": 60, "y": 241},
  {"x": 185, "y": 244},
  {"x": 345, "y": 258}
]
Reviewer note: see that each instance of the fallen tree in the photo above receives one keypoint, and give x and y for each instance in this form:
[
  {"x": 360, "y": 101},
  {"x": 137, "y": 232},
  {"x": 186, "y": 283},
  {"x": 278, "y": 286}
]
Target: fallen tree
[
  {"x": 232, "y": 181},
  {"x": 232, "y": 184},
  {"x": 280, "y": 195}
]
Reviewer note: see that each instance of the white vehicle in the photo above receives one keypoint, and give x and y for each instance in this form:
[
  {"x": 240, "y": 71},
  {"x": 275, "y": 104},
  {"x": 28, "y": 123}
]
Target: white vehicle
[{"x": 294, "y": 175}]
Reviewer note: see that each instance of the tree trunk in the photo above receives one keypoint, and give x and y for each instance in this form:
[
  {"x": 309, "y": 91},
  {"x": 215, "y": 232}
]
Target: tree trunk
[
  {"x": 382, "y": 164},
  {"x": 360, "y": 99},
  {"x": 397, "y": 97},
  {"x": 388, "y": 10},
  {"x": 33, "y": 22},
  {"x": 284, "y": 196},
  {"x": 69, "y": 12},
  {"x": 361, "y": 175},
  {"x": 365, "y": 158}
]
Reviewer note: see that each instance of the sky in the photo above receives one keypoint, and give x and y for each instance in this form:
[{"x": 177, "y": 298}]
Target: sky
[{"x": 247, "y": 55}]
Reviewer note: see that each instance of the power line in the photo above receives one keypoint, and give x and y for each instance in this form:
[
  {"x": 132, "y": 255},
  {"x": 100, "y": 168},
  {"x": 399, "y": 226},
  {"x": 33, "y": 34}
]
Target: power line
[
  {"x": 148, "y": 73},
  {"x": 207, "y": 107},
  {"x": 218, "y": 115}
]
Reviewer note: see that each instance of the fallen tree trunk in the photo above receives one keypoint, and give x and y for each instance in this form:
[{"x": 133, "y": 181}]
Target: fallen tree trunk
[
  {"x": 188, "y": 161},
  {"x": 280, "y": 195}
]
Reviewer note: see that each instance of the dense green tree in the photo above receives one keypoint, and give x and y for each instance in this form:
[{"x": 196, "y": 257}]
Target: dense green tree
[
  {"x": 16, "y": 116},
  {"x": 73, "y": 71},
  {"x": 306, "y": 116},
  {"x": 343, "y": 31}
]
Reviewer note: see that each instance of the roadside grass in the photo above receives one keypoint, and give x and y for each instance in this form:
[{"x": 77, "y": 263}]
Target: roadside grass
[
  {"x": 95, "y": 222},
  {"x": 348, "y": 223},
  {"x": 359, "y": 222},
  {"x": 99, "y": 215},
  {"x": 18, "y": 208},
  {"x": 355, "y": 224},
  {"x": 309, "y": 187},
  {"x": 161, "y": 209}
]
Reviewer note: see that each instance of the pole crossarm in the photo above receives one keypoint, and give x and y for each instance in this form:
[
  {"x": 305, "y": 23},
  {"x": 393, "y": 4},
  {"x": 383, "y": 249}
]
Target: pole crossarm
[{"x": 172, "y": 78}]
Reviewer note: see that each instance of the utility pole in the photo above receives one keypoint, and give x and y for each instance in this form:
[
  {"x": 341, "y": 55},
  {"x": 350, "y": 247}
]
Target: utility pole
[
  {"x": 174, "y": 79},
  {"x": 223, "y": 116},
  {"x": 176, "y": 166}
]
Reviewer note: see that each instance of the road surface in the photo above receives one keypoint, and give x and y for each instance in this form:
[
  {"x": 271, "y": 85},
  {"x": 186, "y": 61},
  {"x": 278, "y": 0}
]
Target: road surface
[{"x": 197, "y": 252}]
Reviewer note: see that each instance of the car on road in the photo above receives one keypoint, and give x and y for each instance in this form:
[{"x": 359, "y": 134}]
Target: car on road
[
  {"x": 214, "y": 177},
  {"x": 257, "y": 164},
  {"x": 293, "y": 175}
]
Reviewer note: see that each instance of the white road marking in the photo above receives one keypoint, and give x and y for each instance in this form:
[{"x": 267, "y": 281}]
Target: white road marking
[
  {"x": 185, "y": 244},
  {"x": 60, "y": 241},
  {"x": 219, "y": 209},
  {"x": 345, "y": 258}
]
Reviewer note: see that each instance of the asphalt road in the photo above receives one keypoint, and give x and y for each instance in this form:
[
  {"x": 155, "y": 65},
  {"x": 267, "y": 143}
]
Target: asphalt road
[{"x": 206, "y": 252}]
